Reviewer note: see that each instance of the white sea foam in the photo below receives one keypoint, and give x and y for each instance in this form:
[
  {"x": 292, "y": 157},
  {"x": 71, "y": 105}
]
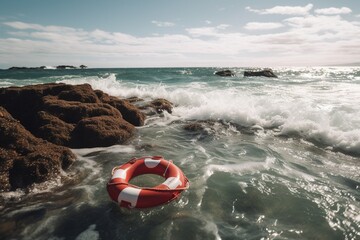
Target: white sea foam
[
  {"x": 111, "y": 149},
  {"x": 322, "y": 112},
  {"x": 107, "y": 83},
  {"x": 5, "y": 84},
  {"x": 50, "y": 67},
  {"x": 245, "y": 167}
]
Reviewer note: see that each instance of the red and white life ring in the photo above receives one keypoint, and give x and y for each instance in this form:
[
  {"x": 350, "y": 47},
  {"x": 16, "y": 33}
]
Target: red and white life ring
[{"x": 131, "y": 196}]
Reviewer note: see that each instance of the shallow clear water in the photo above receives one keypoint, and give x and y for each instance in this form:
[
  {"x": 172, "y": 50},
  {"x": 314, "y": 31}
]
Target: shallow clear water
[{"x": 277, "y": 159}]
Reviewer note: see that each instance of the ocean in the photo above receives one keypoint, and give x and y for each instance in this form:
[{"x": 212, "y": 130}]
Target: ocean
[{"x": 274, "y": 158}]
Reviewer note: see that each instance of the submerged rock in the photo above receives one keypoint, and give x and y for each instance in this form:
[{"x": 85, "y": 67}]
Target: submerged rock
[
  {"x": 194, "y": 127},
  {"x": 161, "y": 105},
  {"x": 263, "y": 73},
  {"x": 26, "y": 159},
  {"x": 225, "y": 73}
]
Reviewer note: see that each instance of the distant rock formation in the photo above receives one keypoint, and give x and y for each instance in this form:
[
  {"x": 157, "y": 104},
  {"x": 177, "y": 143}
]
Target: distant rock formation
[
  {"x": 44, "y": 67},
  {"x": 264, "y": 73},
  {"x": 26, "y": 159},
  {"x": 65, "y": 67},
  {"x": 225, "y": 73},
  {"x": 26, "y": 68}
]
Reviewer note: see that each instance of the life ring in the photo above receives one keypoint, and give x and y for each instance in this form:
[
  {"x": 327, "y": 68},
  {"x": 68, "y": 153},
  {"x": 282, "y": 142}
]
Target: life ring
[{"x": 131, "y": 196}]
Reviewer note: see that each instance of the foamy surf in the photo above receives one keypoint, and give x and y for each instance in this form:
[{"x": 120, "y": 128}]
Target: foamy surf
[{"x": 321, "y": 112}]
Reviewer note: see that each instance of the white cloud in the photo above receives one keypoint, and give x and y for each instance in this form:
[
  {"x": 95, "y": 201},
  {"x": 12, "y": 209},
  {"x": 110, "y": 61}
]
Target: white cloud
[
  {"x": 163, "y": 24},
  {"x": 333, "y": 11},
  {"x": 203, "y": 31},
  {"x": 283, "y": 10},
  {"x": 309, "y": 39},
  {"x": 262, "y": 25},
  {"x": 23, "y": 26},
  {"x": 222, "y": 26},
  {"x": 207, "y": 31},
  {"x": 321, "y": 24},
  {"x": 31, "y": 26}
]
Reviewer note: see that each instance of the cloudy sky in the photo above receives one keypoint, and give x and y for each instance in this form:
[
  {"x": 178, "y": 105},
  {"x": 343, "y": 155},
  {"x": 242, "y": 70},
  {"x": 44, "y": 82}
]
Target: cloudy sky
[{"x": 166, "y": 33}]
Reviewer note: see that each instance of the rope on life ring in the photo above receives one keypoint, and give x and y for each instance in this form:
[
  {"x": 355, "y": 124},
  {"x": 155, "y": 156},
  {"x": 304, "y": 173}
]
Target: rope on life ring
[{"x": 132, "y": 196}]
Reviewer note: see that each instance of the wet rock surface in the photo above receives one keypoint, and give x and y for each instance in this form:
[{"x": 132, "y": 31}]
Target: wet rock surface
[
  {"x": 264, "y": 73},
  {"x": 26, "y": 159},
  {"x": 225, "y": 73},
  {"x": 39, "y": 122},
  {"x": 54, "y": 111}
]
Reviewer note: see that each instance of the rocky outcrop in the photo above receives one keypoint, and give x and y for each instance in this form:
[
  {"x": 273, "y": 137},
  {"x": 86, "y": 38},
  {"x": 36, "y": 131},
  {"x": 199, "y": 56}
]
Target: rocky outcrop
[
  {"x": 225, "y": 73},
  {"x": 263, "y": 73},
  {"x": 39, "y": 122},
  {"x": 73, "y": 116},
  {"x": 161, "y": 104},
  {"x": 35, "y": 120},
  {"x": 26, "y": 68},
  {"x": 129, "y": 112},
  {"x": 26, "y": 159},
  {"x": 44, "y": 67},
  {"x": 65, "y": 67},
  {"x": 101, "y": 131}
]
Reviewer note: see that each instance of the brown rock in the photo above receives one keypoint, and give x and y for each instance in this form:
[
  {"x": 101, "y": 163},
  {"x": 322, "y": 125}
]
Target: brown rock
[
  {"x": 73, "y": 112},
  {"x": 81, "y": 93},
  {"x": 161, "y": 104},
  {"x": 52, "y": 111},
  {"x": 129, "y": 112},
  {"x": 101, "y": 131},
  {"x": 25, "y": 159},
  {"x": 134, "y": 99},
  {"x": 54, "y": 129}
]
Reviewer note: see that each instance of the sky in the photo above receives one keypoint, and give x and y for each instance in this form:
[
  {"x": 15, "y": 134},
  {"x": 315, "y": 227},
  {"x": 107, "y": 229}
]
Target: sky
[{"x": 179, "y": 33}]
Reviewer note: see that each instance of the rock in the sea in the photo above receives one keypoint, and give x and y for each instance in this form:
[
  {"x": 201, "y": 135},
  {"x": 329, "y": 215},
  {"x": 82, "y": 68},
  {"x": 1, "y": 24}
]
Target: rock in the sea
[
  {"x": 161, "y": 104},
  {"x": 44, "y": 67},
  {"x": 26, "y": 159},
  {"x": 193, "y": 127},
  {"x": 65, "y": 67},
  {"x": 58, "y": 113},
  {"x": 129, "y": 112},
  {"x": 225, "y": 73},
  {"x": 263, "y": 73},
  {"x": 101, "y": 131}
]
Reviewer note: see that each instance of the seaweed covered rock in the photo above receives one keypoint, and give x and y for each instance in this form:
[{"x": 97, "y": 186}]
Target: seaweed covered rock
[
  {"x": 161, "y": 105},
  {"x": 25, "y": 159},
  {"x": 101, "y": 131},
  {"x": 54, "y": 111},
  {"x": 129, "y": 111}
]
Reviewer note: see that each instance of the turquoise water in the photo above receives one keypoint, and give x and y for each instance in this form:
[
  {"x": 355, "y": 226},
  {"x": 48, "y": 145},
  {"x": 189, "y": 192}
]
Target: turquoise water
[{"x": 276, "y": 159}]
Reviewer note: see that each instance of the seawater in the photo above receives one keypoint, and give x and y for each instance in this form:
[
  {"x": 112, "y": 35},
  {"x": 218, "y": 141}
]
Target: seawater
[{"x": 276, "y": 158}]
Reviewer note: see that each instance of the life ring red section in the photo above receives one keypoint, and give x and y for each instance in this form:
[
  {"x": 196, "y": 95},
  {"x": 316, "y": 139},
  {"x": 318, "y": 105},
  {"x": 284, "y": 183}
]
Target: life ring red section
[{"x": 131, "y": 196}]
